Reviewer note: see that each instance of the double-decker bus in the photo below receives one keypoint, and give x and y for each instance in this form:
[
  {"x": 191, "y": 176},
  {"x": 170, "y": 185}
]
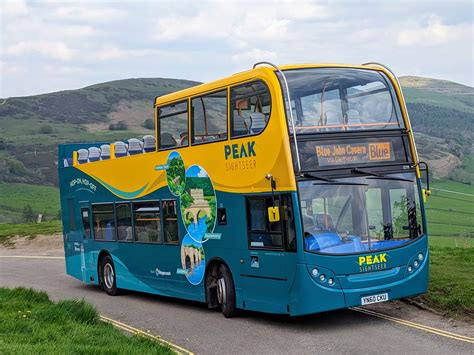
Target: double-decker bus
[{"x": 292, "y": 190}]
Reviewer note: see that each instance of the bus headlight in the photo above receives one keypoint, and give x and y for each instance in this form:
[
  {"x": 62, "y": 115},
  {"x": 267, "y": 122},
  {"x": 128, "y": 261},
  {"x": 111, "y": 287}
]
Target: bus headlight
[
  {"x": 315, "y": 272},
  {"x": 322, "y": 277},
  {"x": 420, "y": 256},
  {"x": 331, "y": 281},
  {"x": 410, "y": 268},
  {"x": 415, "y": 263}
]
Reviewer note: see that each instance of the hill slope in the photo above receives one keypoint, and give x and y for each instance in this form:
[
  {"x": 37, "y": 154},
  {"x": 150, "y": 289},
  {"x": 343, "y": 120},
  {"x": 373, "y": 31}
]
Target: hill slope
[{"x": 31, "y": 127}]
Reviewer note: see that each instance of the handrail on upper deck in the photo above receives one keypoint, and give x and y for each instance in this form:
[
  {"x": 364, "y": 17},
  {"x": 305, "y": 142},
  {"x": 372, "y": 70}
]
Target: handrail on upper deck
[{"x": 289, "y": 109}]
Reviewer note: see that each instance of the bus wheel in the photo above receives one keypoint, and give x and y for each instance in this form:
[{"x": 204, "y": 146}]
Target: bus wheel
[
  {"x": 107, "y": 276},
  {"x": 226, "y": 292}
]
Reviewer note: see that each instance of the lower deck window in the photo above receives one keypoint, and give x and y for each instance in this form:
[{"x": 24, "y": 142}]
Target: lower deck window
[
  {"x": 124, "y": 222},
  {"x": 170, "y": 222},
  {"x": 104, "y": 221},
  {"x": 147, "y": 222}
]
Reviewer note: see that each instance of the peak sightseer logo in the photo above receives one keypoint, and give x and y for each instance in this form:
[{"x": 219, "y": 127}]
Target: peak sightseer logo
[{"x": 372, "y": 262}]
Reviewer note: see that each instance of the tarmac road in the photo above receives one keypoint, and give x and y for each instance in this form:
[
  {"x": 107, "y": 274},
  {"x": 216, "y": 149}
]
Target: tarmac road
[{"x": 194, "y": 327}]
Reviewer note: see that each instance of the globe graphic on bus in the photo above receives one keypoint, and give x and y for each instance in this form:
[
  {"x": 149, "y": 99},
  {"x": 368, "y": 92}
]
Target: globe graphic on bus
[
  {"x": 175, "y": 174},
  {"x": 198, "y": 203}
]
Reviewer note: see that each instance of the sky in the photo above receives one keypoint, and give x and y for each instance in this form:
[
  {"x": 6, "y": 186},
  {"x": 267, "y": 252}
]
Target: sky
[{"x": 48, "y": 46}]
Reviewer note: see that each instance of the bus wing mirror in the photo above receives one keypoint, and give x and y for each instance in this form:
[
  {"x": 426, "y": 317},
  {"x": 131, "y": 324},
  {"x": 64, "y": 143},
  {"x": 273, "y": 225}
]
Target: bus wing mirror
[
  {"x": 273, "y": 214},
  {"x": 426, "y": 192}
]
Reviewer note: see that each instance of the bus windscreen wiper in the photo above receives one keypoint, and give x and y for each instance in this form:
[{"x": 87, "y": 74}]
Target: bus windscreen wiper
[
  {"x": 376, "y": 176},
  {"x": 316, "y": 177}
]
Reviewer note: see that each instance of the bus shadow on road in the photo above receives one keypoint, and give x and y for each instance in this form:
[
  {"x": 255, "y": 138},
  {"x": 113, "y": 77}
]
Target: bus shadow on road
[{"x": 325, "y": 321}]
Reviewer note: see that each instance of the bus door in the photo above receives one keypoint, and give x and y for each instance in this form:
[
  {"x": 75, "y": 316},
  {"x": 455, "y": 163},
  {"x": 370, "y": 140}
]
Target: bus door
[
  {"x": 268, "y": 266},
  {"x": 73, "y": 235}
]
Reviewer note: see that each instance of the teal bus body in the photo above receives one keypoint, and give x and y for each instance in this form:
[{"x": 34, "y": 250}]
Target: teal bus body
[{"x": 291, "y": 281}]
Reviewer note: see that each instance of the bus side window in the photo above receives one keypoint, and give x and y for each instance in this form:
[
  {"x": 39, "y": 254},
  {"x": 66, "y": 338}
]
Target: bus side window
[
  {"x": 147, "y": 222},
  {"x": 124, "y": 222},
  {"x": 103, "y": 219},
  {"x": 209, "y": 117},
  {"x": 86, "y": 222},
  {"x": 261, "y": 232},
  {"x": 250, "y": 108},
  {"x": 170, "y": 222},
  {"x": 173, "y": 125}
]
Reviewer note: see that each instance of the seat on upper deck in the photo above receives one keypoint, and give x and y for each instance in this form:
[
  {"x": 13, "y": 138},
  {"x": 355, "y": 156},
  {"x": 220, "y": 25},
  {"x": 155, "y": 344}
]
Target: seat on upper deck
[
  {"x": 82, "y": 156},
  {"x": 105, "y": 152},
  {"x": 94, "y": 154},
  {"x": 135, "y": 146},
  {"x": 149, "y": 143},
  {"x": 121, "y": 149}
]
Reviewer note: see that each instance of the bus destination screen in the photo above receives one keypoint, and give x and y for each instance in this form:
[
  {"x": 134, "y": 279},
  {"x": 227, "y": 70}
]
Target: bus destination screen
[{"x": 354, "y": 153}]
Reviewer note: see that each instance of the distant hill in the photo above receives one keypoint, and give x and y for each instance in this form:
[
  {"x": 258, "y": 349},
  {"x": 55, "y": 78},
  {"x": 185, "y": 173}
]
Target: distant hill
[{"x": 442, "y": 114}]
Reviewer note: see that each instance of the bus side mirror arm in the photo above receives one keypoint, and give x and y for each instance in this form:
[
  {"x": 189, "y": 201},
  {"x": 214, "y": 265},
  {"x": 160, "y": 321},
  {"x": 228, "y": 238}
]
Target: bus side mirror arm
[
  {"x": 426, "y": 192},
  {"x": 273, "y": 212}
]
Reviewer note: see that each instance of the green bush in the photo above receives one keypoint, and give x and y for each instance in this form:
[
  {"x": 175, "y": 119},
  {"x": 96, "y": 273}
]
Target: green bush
[
  {"x": 149, "y": 123},
  {"x": 119, "y": 126},
  {"x": 46, "y": 129}
]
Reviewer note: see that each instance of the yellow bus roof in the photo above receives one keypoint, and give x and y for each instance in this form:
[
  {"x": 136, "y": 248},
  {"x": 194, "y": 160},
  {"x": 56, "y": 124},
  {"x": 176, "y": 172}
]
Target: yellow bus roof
[{"x": 246, "y": 75}]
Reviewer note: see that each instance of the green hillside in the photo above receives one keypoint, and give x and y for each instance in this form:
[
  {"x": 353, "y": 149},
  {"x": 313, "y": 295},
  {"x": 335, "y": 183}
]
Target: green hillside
[{"x": 31, "y": 127}]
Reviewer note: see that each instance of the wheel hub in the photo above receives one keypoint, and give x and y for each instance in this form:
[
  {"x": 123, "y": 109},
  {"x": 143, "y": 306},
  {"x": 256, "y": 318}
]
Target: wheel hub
[{"x": 108, "y": 276}]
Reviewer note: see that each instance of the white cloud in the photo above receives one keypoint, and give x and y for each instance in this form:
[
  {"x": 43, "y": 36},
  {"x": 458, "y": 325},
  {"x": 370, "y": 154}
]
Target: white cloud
[
  {"x": 14, "y": 7},
  {"x": 54, "y": 49},
  {"x": 254, "y": 55},
  {"x": 49, "y": 45},
  {"x": 434, "y": 33},
  {"x": 88, "y": 11},
  {"x": 79, "y": 31}
]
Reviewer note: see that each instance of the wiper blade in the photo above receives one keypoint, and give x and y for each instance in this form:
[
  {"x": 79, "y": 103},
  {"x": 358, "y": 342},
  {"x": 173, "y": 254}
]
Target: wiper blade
[
  {"x": 376, "y": 176},
  {"x": 316, "y": 177},
  {"x": 382, "y": 177},
  {"x": 341, "y": 183}
]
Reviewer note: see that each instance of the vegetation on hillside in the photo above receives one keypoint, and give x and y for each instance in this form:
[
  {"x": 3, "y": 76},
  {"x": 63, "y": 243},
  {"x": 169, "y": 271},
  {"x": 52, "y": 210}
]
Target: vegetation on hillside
[
  {"x": 451, "y": 290},
  {"x": 33, "y": 324}
]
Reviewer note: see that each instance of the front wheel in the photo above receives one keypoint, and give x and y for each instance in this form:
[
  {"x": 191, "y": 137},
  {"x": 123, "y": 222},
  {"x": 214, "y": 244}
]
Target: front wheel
[
  {"x": 226, "y": 292},
  {"x": 108, "y": 279}
]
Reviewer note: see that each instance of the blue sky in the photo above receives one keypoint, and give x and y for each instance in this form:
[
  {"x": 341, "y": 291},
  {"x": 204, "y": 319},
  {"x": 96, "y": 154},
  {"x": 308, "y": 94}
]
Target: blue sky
[{"x": 56, "y": 45}]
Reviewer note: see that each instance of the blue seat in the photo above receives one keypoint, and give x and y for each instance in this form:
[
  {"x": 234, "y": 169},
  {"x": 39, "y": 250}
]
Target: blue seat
[
  {"x": 135, "y": 146},
  {"x": 82, "y": 156},
  {"x": 121, "y": 149},
  {"x": 94, "y": 154},
  {"x": 105, "y": 152},
  {"x": 149, "y": 143}
]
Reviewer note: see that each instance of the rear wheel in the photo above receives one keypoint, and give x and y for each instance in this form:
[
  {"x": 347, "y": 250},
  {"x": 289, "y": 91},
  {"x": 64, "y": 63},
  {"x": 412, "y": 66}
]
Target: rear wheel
[
  {"x": 226, "y": 292},
  {"x": 107, "y": 276}
]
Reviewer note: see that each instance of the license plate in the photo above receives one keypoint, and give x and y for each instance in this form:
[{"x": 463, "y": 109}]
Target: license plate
[{"x": 381, "y": 297}]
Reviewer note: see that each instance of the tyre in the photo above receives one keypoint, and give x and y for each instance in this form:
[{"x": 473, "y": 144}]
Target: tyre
[
  {"x": 226, "y": 292},
  {"x": 107, "y": 276}
]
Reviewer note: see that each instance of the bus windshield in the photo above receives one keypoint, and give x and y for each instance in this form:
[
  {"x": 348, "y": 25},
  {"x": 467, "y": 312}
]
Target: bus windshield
[
  {"x": 358, "y": 214},
  {"x": 339, "y": 99}
]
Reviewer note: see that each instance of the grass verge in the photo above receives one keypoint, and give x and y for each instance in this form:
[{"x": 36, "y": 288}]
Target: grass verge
[
  {"x": 451, "y": 289},
  {"x": 30, "y": 323},
  {"x": 8, "y": 231}
]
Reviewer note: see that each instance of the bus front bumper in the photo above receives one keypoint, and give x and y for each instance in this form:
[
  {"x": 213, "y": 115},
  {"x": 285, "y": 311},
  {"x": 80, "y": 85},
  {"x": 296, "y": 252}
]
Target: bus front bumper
[{"x": 310, "y": 295}]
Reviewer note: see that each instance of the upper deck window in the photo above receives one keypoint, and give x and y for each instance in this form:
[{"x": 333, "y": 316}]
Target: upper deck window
[
  {"x": 209, "y": 117},
  {"x": 173, "y": 125},
  {"x": 339, "y": 99},
  {"x": 250, "y": 108}
]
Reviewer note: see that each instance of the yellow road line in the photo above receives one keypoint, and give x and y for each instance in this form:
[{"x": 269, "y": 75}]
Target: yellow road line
[
  {"x": 425, "y": 328},
  {"x": 32, "y": 257},
  {"x": 128, "y": 328}
]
